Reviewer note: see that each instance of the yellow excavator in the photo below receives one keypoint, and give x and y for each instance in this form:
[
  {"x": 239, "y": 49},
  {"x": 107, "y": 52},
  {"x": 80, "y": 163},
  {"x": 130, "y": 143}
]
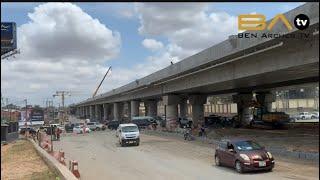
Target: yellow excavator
[{"x": 260, "y": 116}]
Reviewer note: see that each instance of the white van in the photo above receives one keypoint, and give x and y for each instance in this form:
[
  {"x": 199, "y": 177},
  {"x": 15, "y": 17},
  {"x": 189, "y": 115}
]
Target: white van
[{"x": 128, "y": 134}]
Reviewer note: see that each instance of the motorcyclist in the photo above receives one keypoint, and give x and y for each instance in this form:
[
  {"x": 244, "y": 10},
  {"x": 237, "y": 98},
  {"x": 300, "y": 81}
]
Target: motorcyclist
[{"x": 187, "y": 131}]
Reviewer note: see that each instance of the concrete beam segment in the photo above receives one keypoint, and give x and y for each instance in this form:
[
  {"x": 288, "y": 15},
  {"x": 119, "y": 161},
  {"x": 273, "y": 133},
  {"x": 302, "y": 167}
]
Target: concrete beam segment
[
  {"x": 151, "y": 107},
  {"x": 134, "y": 108}
]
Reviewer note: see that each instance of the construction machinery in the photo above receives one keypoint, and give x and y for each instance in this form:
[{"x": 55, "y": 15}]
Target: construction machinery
[
  {"x": 260, "y": 116},
  {"x": 95, "y": 92}
]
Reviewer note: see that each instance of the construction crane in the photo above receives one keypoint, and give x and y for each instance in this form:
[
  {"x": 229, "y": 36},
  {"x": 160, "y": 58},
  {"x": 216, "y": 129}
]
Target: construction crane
[{"x": 95, "y": 92}]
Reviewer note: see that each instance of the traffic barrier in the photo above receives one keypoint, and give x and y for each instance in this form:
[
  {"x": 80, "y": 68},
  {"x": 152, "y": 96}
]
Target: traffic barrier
[
  {"x": 62, "y": 158},
  {"x": 46, "y": 144},
  {"x": 73, "y": 166}
]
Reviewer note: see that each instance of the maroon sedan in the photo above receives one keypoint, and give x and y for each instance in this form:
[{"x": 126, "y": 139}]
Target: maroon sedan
[{"x": 243, "y": 155}]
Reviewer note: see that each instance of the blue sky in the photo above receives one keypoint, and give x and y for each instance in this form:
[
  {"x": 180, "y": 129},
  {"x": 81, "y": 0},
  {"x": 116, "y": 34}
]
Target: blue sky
[{"x": 146, "y": 44}]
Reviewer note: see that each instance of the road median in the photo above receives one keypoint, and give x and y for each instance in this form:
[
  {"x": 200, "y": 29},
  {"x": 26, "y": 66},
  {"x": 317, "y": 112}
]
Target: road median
[{"x": 54, "y": 164}]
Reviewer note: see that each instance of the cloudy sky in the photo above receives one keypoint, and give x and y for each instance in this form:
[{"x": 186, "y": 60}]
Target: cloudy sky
[{"x": 69, "y": 47}]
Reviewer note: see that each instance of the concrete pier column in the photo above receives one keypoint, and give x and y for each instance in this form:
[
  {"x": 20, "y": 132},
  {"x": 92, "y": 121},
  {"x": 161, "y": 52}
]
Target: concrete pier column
[
  {"x": 151, "y": 106},
  {"x": 197, "y": 102},
  {"x": 128, "y": 109},
  {"x": 171, "y": 110},
  {"x": 183, "y": 107},
  {"x": 105, "y": 112},
  {"x": 243, "y": 101},
  {"x": 96, "y": 112},
  {"x": 116, "y": 111},
  {"x": 134, "y": 108},
  {"x": 87, "y": 111},
  {"x": 266, "y": 99},
  {"x": 91, "y": 108}
]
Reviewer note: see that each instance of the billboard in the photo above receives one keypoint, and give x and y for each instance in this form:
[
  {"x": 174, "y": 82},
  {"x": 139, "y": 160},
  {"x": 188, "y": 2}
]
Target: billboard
[
  {"x": 8, "y": 37},
  {"x": 37, "y": 115}
]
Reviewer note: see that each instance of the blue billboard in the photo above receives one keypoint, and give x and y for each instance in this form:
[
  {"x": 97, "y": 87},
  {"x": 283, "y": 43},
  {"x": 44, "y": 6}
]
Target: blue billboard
[{"x": 8, "y": 37}]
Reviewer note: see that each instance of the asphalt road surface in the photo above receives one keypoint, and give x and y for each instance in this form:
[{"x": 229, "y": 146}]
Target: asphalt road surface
[{"x": 101, "y": 157}]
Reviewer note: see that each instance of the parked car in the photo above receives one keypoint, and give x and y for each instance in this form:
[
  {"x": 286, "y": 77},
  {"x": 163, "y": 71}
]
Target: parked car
[
  {"x": 79, "y": 129},
  {"x": 92, "y": 126},
  {"x": 113, "y": 124},
  {"x": 160, "y": 120},
  {"x": 142, "y": 121},
  {"x": 305, "y": 115},
  {"x": 22, "y": 130},
  {"x": 243, "y": 155},
  {"x": 128, "y": 134},
  {"x": 69, "y": 127},
  {"x": 315, "y": 115},
  {"x": 100, "y": 126}
]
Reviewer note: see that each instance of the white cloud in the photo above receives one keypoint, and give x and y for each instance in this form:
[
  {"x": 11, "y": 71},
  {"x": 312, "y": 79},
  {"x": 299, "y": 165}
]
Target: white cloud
[
  {"x": 188, "y": 27},
  {"x": 152, "y": 44},
  {"x": 62, "y": 30},
  {"x": 62, "y": 48}
]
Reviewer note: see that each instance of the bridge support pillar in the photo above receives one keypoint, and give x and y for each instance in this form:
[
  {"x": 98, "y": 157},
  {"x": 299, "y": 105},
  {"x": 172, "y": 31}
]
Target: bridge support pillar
[
  {"x": 91, "y": 112},
  {"x": 151, "y": 106},
  {"x": 266, "y": 99},
  {"x": 171, "y": 109},
  {"x": 134, "y": 108},
  {"x": 197, "y": 102},
  {"x": 183, "y": 107},
  {"x": 118, "y": 111},
  {"x": 105, "y": 112},
  {"x": 88, "y": 112},
  {"x": 82, "y": 111},
  {"x": 129, "y": 110},
  {"x": 243, "y": 101},
  {"x": 96, "y": 113}
]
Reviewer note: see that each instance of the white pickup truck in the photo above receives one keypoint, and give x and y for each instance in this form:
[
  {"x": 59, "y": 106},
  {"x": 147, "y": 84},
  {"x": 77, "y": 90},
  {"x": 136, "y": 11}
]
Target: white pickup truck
[
  {"x": 95, "y": 126},
  {"x": 305, "y": 115}
]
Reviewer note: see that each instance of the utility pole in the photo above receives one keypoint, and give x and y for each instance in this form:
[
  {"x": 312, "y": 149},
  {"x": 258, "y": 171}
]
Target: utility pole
[
  {"x": 62, "y": 94},
  {"x": 26, "y": 123}
]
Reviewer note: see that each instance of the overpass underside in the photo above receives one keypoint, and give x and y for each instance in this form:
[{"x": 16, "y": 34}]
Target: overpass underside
[{"x": 270, "y": 64}]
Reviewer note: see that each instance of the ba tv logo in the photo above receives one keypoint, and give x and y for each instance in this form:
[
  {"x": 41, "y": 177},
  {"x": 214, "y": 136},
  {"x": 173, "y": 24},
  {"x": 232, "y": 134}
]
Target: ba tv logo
[{"x": 257, "y": 22}]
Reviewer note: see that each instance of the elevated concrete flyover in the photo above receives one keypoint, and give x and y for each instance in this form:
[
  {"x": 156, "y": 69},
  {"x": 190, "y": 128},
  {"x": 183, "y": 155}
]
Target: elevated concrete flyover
[{"x": 236, "y": 65}]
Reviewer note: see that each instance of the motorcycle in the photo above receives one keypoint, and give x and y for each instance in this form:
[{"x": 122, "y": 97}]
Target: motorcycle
[{"x": 187, "y": 134}]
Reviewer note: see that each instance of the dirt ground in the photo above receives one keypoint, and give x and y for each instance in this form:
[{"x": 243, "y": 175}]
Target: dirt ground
[
  {"x": 19, "y": 160},
  {"x": 100, "y": 157},
  {"x": 293, "y": 139}
]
